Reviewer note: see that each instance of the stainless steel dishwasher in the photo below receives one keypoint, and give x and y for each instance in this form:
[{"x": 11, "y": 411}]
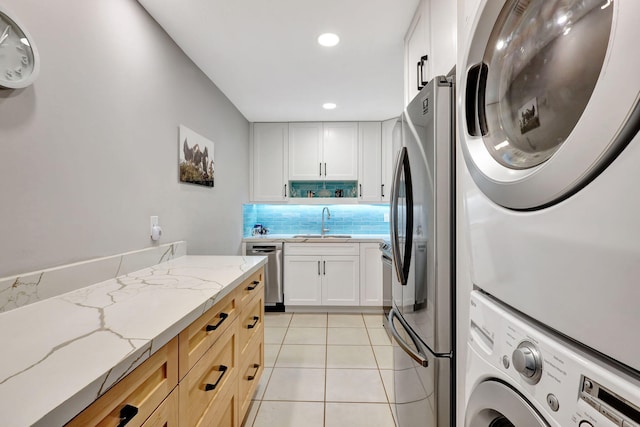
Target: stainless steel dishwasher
[{"x": 273, "y": 289}]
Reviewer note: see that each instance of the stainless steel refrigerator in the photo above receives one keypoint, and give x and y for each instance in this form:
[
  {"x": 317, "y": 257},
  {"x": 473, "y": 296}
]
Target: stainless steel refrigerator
[{"x": 422, "y": 319}]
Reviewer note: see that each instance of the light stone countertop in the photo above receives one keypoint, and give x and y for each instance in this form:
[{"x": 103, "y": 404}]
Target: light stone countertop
[
  {"x": 288, "y": 238},
  {"x": 60, "y": 354}
]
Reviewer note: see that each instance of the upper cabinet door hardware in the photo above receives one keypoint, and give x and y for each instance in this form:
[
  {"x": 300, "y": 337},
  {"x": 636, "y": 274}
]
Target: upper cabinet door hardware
[{"x": 422, "y": 81}]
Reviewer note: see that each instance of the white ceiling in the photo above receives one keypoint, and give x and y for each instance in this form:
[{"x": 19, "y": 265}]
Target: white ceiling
[{"x": 264, "y": 56}]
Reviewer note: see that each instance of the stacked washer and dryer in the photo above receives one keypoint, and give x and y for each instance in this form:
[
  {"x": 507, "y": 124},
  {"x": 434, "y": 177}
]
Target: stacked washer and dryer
[{"x": 548, "y": 121}]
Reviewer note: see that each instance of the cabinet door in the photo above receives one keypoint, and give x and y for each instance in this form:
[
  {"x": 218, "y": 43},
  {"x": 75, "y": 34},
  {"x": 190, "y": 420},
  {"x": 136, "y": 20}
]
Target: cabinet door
[
  {"x": 340, "y": 151},
  {"x": 370, "y": 165},
  {"x": 305, "y": 151},
  {"x": 302, "y": 284},
  {"x": 270, "y": 162},
  {"x": 370, "y": 274},
  {"x": 391, "y": 141},
  {"x": 416, "y": 44},
  {"x": 341, "y": 280}
]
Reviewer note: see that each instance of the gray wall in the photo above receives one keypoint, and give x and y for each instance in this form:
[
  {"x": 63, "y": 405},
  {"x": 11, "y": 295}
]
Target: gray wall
[{"x": 90, "y": 150}]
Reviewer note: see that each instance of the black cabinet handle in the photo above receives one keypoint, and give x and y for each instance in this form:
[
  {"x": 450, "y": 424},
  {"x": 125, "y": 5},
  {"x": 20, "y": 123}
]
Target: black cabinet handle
[
  {"x": 253, "y": 285},
  {"x": 126, "y": 414},
  {"x": 209, "y": 387},
  {"x": 420, "y": 72},
  {"x": 382, "y": 190},
  {"x": 324, "y": 268},
  {"x": 325, "y": 169},
  {"x": 285, "y": 190},
  {"x": 223, "y": 316},
  {"x": 320, "y": 170},
  {"x": 255, "y": 322},
  {"x": 253, "y": 377},
  {"x": 318, "y": 268},
  {"x": 360, "y": 189}
]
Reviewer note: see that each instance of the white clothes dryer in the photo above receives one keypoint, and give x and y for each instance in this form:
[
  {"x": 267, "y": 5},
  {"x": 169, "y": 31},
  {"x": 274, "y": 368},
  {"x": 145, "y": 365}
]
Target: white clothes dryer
[
  {"x": 520, "y": 374},
  {"x": 548, "y": 121}
]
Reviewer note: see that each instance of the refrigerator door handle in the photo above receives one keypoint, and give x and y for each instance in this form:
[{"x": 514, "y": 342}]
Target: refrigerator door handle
[
  {"x": 420, "y": 355},
  {"x": 401, "y": 263},
  {"x": 395, "y": 195}
]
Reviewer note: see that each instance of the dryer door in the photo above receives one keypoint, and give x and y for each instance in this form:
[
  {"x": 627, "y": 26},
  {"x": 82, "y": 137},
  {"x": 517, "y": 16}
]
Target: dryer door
[
  {"x": 550, "y": 95},
  {"x": 494, "y": 404}
]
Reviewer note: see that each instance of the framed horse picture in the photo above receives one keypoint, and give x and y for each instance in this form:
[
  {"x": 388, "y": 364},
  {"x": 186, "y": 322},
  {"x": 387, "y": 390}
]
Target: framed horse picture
[{"x": 196, "y": 162}]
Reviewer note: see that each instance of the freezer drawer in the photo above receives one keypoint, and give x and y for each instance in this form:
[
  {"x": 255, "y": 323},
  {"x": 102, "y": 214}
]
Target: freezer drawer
[{"x": 422, "y": 381}]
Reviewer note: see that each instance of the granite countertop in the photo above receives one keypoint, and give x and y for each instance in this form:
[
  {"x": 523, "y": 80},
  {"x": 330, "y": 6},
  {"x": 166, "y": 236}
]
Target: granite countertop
[
  {"x": 355, "y": 238},
  {"x": 62, "y": 353}
]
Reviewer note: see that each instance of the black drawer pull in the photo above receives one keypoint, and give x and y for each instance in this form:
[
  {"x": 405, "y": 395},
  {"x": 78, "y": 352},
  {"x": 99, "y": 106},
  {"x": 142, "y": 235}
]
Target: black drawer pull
[
  {"x": 223, "y": 316},
  {"x": 253, "y": 285},
  {"x": 253, "y": 377},
  {"x": 126, "y": 414},
  {"x": 255, "y": 322},
  {"x": 209, "y": 387}
]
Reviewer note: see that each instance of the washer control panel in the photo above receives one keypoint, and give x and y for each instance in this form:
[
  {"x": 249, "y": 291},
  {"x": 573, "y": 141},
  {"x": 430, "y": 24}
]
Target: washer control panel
[
  {"x": 614, "y": 407},
  {"x": 568, "y": 384}
]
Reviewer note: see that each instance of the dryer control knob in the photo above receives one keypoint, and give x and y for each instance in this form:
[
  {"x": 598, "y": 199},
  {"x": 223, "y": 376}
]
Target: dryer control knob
[{"x": 527, "y": 361}]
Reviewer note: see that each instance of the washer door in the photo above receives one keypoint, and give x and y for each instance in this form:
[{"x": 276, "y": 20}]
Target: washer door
[
  {"x": 495, "y": 404},
  {"x": 549, "y": 94}
]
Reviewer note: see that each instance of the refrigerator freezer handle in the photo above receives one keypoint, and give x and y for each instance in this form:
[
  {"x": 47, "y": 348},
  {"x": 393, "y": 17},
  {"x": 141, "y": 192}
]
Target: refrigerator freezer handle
[{"x": 418, "y": 356}]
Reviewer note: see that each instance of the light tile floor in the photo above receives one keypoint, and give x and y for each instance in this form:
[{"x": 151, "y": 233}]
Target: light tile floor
[{"x": 325, "y": 370}]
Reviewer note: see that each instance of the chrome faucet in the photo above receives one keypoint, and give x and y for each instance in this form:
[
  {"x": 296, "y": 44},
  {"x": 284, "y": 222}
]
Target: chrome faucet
[{"x": 324, "y": 230}]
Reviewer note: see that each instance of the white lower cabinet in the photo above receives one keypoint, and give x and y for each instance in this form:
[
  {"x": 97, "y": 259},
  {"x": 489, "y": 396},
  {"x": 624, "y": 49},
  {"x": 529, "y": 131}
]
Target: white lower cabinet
[
  {"x": 333, "y": 274},
  {"x": 302, "y": 280},
  {"x": 322, "y": 274},
  {"x": 370, "y": 275}
]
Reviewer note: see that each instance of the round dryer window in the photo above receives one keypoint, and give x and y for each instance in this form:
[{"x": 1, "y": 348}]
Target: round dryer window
[
  {"x": 495, "y": 404},
  {"x": 550, "y": 96}
]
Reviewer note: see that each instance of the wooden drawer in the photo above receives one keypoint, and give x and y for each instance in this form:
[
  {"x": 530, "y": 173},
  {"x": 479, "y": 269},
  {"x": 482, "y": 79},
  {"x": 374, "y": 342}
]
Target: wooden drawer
[
  {"x": 209, "y": 381},
  {"x": 250, "y": 287},
  {"x": 167, "y": 413},
  {"x": 251, "y": 320},
  {"x": 198, "y": 337},
  {"x": 140, "y": 392},
  {"x": 251, "y": 368}
]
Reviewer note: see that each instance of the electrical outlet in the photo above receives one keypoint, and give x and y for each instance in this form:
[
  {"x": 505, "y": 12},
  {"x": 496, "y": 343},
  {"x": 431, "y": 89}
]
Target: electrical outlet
[
  {"x": 153, "y": 221},
  {"x": 386, "y": 217}
]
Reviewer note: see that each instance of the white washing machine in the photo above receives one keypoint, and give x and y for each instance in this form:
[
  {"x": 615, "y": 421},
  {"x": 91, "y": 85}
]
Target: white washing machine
[
  {"x": 548, "y": 121},
  {"x": 519, "y": 374}
]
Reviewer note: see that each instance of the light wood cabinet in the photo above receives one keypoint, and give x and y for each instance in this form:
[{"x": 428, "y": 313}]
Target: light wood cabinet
[
  {"x": 137, "y": 395},
  {"x": 167, "y": 413},
  {"x": 206, "y": 376},
  {"x": 214, "y": 375},
  {"x": 269, "y": 162}
]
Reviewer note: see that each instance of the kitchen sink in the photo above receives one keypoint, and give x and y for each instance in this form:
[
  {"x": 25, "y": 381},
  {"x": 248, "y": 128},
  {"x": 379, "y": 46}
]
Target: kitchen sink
[{"x": 326, "y": 236}]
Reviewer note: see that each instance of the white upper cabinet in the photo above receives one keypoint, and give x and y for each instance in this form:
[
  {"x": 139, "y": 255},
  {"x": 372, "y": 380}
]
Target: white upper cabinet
[
  {"x": 391, "y": 144},
  {"x": 370, "y": 187},
  {"x": 305, "y": 151},
  {"x": 416, "y": 52},
  {"x": 340, "y": 151},
  {"x": 432, "y": 33},
  {"x": 323, "y": 151},
  {"x": 269, "y": 158}
]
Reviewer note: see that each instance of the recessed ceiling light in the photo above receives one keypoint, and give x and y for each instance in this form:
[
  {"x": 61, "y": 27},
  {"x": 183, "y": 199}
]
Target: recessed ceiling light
[
  {"x": 328, "y": 39},
  {"x": 329, "y": 105}
]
